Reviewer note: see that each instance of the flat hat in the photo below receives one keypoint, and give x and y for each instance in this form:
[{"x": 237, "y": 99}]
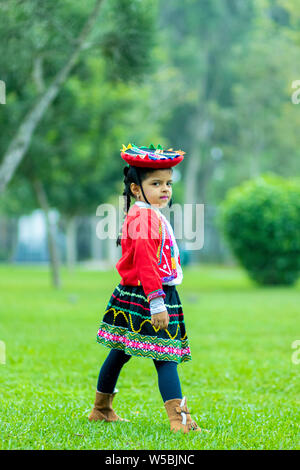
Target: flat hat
[{"x": 151, "y": 157}]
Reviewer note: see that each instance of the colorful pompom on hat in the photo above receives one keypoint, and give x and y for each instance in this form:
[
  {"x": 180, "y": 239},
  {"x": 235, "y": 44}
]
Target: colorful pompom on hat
[{"x": 151, "y": 157}]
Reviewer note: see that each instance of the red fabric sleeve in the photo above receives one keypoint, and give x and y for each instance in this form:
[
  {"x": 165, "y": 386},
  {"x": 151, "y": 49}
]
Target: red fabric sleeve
[{"x": 145, "y": 230}]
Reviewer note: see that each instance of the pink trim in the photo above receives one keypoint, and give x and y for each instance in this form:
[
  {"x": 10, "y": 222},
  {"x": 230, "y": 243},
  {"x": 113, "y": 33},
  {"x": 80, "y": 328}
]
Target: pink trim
[
  {"x": 156, "y": 293},
  {"x": 145, "y": 346}
]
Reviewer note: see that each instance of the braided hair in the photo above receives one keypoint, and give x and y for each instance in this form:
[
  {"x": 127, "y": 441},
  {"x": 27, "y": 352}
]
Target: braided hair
[{"x": 134, "y": 174}]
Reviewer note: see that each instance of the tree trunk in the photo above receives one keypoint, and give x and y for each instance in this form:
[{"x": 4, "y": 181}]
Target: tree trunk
[
  {"x": 53, "y": 251},
  {"x": 202, "y": 130},
  {"x": 21, "y": 141},
  {"x": 3, "y": 236},
  {"x": 8, "y": 237},
  {"x": 14, "y": 234},
  {"x": 71, "y": 248}
]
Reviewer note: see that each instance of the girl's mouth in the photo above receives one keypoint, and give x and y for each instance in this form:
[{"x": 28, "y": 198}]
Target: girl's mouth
[{"x": 164, "y": 197}]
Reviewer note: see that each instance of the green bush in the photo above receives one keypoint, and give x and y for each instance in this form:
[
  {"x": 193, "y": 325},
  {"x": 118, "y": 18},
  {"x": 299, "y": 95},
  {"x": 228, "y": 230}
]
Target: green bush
[{"x": 261, "y": 222}]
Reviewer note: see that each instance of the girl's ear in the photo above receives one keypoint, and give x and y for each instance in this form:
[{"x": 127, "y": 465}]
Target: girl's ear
[{"x": 134, "y": 188}]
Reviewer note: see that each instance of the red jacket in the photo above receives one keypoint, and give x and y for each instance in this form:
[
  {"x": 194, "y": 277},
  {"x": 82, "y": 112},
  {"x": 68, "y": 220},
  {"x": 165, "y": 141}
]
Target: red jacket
[{"x": 147, "y": 252}]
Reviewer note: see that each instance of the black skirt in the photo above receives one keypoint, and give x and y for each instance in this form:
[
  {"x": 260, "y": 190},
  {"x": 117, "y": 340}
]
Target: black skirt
[{"x": 126, "y": 325}]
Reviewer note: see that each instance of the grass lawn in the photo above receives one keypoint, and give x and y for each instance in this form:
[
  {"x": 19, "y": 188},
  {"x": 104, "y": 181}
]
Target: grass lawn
[{"x": 241, "y": 383}]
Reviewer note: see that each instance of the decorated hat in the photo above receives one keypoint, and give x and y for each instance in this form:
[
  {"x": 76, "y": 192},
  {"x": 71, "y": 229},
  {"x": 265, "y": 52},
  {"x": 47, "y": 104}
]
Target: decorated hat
[{"x": 151, "y": 157}]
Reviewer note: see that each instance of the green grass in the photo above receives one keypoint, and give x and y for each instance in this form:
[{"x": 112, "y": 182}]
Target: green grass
[{"x": 241, "y": 383}]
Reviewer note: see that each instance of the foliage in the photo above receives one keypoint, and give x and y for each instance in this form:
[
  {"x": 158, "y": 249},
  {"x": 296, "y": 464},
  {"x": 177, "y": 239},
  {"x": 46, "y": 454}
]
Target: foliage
[
  {"x": 81, "y": 166},
  {"x": 75, "y": 150},
  {"x": 232, "y": 63},
  {"x": 261, "y": 221},
  {"x": 235, "y": 66},
  {"x": 199, "y": 38},
  {"x": 127, "y": 45}
]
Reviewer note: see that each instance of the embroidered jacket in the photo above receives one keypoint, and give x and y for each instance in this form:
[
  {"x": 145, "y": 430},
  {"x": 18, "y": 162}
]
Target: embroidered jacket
[{"x": 150, "y": 256}]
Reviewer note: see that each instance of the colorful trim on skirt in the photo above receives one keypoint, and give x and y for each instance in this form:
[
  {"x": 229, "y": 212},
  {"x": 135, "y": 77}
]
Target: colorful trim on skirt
[{"x": 126, "y": 325}]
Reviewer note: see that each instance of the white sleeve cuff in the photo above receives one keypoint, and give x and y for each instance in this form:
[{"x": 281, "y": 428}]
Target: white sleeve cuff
[{"x": 157, "y": 305}]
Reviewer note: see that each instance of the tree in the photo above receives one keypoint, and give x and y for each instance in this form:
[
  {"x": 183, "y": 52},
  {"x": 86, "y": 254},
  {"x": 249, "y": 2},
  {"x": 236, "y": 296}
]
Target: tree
[
  {"x": 21, "y": 141},
  {"x": 46, "y": 41},
  {"x": 117, "y": 45}
]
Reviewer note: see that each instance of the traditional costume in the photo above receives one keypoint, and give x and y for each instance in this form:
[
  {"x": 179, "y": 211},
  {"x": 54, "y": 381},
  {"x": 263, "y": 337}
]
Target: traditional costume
[{"x": 150, "y": 269}]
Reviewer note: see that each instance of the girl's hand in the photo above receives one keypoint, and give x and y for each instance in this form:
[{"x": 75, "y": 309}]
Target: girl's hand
[{"x": 160, "y": 320}]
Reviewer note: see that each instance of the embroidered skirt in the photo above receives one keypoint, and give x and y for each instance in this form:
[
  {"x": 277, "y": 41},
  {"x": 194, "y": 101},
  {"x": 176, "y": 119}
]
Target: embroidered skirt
[{"x": 126, "y": 325}]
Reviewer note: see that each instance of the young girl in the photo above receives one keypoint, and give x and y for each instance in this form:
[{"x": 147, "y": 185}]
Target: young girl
[{"x": 144, "y": 315}]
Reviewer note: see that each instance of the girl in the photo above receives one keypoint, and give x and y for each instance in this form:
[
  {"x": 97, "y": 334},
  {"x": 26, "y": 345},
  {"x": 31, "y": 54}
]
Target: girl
[{"x": 144, "y": 315}]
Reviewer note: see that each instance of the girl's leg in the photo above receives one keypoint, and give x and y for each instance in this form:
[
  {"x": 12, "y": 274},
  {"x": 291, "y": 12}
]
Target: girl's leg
[
  {"x": 110, "y": 370},
  {"x": 168, "y": 380}
]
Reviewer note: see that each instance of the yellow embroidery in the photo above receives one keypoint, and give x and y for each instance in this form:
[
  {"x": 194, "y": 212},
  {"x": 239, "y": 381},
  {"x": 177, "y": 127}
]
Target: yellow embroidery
[
  {"x": 160, "y": 240},
  {"x": 149, "y": 321},
  {"x": 117, "y": 313},
  {"x": 173, "y": 337}
]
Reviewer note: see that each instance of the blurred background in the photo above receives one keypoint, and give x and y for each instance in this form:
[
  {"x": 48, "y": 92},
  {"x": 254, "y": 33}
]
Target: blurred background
[{"x": 217, "y": 79}]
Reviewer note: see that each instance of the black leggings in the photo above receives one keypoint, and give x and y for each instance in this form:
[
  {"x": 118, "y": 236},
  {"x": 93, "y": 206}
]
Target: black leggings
[{"x": 168, "y": 380}]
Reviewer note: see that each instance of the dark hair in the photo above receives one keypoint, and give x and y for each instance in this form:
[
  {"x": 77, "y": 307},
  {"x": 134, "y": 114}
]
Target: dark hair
[{"x": 134, "y": 174}]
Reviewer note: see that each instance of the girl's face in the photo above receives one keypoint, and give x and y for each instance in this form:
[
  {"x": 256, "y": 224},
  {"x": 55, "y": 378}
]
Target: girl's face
[{"x": 157, "y": 188}]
